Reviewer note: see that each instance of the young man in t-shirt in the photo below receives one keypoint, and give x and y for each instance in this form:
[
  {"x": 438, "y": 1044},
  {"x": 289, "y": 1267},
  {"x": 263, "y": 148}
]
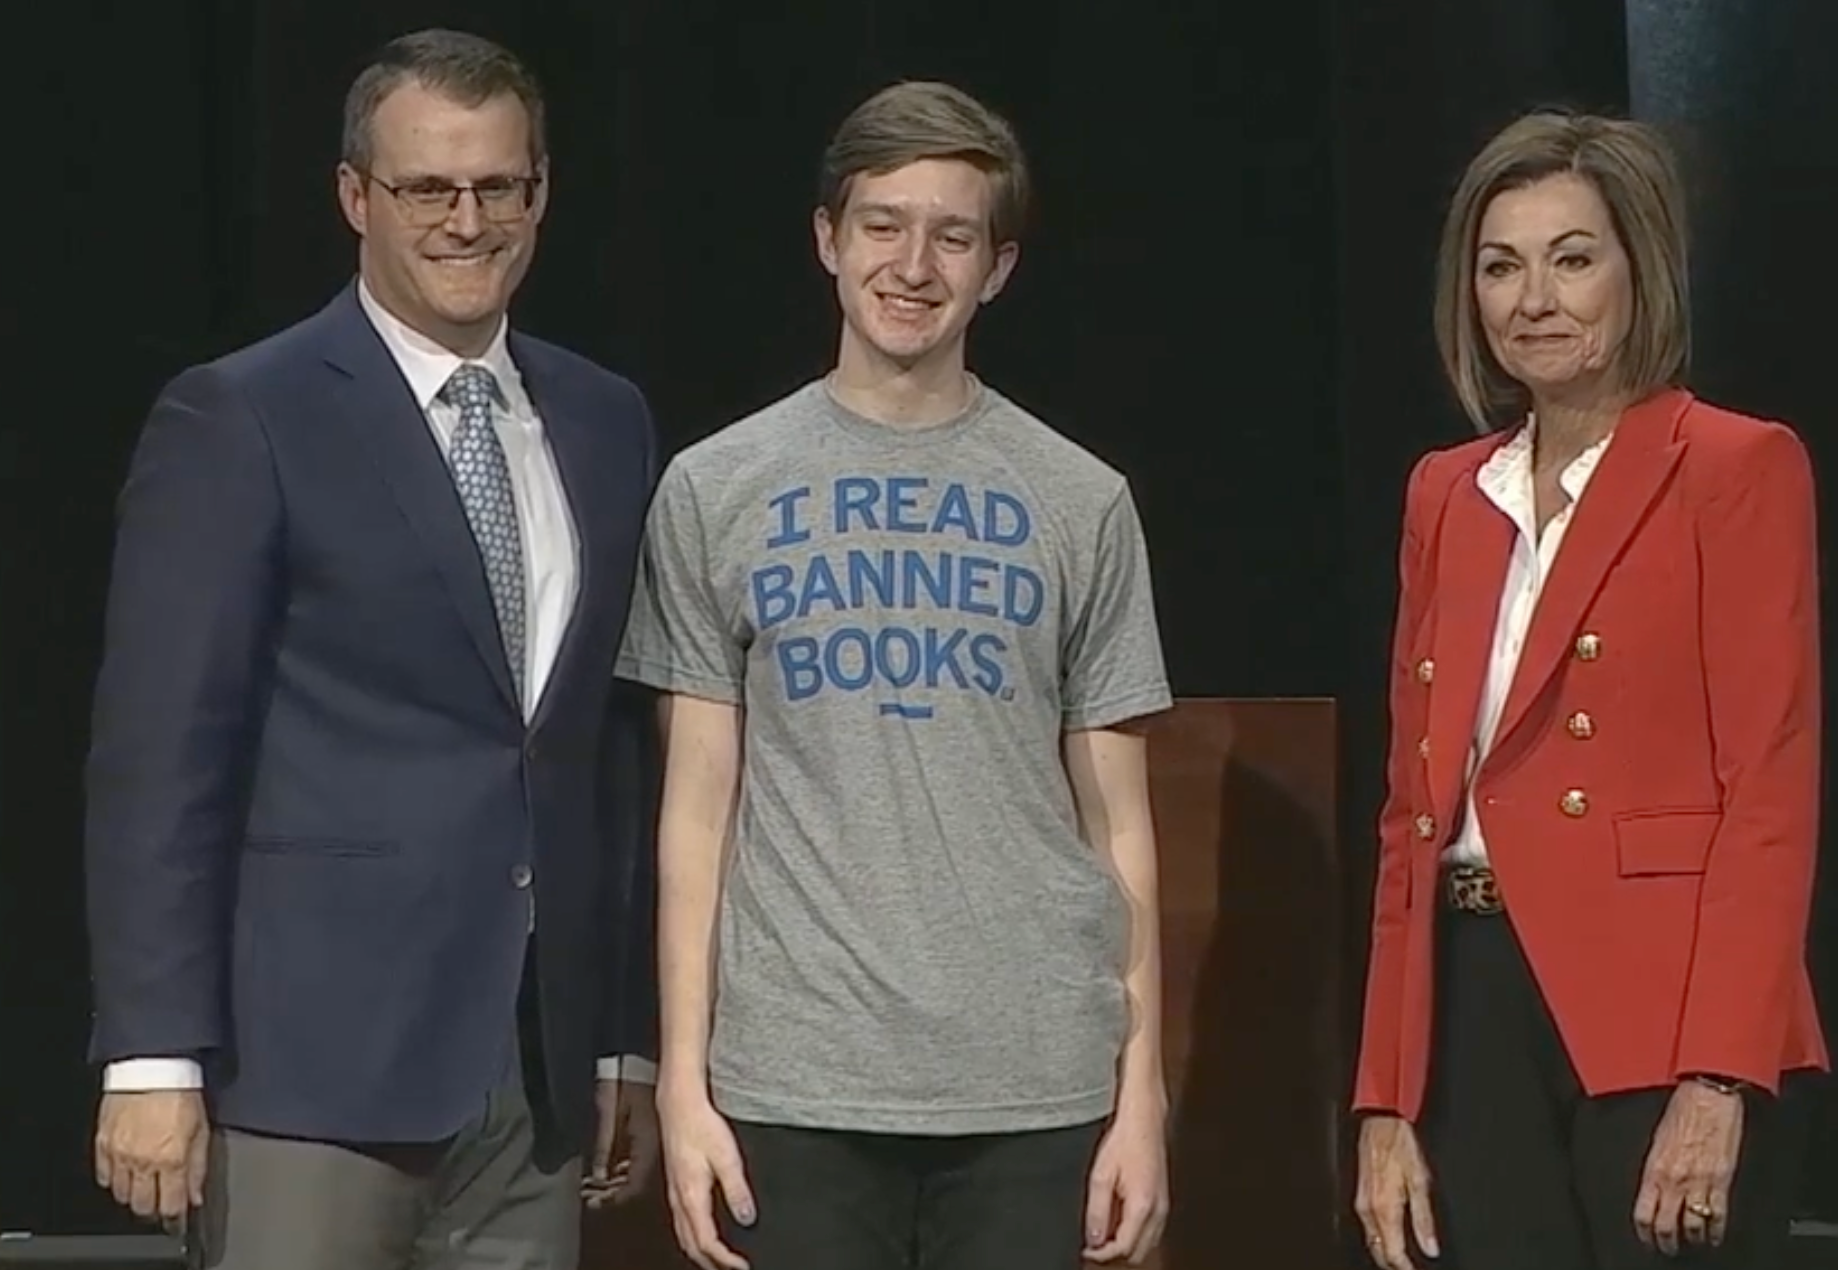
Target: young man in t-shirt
[{"x": 909, "y": 957}]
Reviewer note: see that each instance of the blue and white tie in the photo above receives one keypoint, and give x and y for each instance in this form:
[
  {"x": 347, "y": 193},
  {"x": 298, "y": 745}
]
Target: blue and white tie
[{"x": 483, "y": 478}]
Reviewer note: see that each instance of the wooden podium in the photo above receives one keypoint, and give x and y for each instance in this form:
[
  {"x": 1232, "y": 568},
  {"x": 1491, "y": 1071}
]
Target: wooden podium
[{"x": 1244, "y": 796}]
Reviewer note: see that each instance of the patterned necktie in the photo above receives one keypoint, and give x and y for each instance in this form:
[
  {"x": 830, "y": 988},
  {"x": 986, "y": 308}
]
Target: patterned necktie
[{"x": 483, "y": 479}]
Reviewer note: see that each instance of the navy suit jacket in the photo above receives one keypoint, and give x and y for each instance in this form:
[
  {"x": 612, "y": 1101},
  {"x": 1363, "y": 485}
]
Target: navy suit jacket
[{"x": 314, "y": 806}]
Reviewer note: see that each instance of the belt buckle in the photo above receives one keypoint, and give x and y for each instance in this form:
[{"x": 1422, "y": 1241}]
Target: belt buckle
[{"x": 1471, "y": 888}]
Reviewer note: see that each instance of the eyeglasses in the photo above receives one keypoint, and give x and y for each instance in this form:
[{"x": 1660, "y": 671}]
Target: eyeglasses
[{"x": 427, "y": 201}]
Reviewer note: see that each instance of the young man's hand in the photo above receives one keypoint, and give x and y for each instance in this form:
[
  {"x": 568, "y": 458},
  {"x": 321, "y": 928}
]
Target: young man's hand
[{"x": 1126, "y": 1206}]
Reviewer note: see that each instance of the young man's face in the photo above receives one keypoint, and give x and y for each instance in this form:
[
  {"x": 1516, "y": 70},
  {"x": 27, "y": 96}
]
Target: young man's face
[{"x": 913, "y": 258}]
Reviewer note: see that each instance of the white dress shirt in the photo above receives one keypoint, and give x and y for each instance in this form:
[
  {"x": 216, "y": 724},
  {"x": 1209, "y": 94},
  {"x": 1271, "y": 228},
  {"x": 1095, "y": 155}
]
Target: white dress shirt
[
  {"x": 551, "y": 576},
  {"x": 1506, "y": 480}
]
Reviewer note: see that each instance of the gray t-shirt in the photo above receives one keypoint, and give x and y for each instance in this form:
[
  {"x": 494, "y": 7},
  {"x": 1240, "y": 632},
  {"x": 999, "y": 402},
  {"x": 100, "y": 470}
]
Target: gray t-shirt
[{"x": 913, "y": 936}]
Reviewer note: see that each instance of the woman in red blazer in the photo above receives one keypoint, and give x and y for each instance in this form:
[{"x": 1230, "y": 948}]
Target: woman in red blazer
[{"x": 1588, "y": 976}]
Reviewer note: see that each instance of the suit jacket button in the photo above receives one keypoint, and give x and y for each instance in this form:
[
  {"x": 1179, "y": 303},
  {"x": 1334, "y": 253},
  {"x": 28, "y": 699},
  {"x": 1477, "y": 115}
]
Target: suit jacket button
[
  {"x": 1581, "y": 725},
  {"x": 1575, "y": 802},
  {"x": 1426, "y": 827},
  {"x": 1423, "y": 747},
  {"x": 1426, "y": 670},
  {"x": 1588, "y": 647},
  {"x": 521, "y": 876}
]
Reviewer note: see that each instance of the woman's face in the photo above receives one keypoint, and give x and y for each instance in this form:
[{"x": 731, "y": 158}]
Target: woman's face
[{"x": 1554, "y": 287}]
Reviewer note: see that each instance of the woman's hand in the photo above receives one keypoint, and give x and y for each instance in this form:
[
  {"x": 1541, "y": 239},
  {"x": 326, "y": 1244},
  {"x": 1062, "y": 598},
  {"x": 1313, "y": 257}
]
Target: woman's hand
[
  {"x": 1394, "y": 1189},
  {"x": 1686, "y": 1186}
]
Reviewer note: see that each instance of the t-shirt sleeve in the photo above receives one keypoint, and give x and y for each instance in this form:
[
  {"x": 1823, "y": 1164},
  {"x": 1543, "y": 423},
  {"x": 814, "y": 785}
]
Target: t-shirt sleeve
[
  {"x": 677, "y": 638},
  {"x": 1113, "y": 667}
]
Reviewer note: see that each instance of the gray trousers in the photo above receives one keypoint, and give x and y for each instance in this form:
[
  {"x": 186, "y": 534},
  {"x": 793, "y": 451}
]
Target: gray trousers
[{"x": 487, "y": 1199}]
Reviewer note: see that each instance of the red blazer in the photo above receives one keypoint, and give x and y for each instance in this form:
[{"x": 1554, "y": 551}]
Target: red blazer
[{"x": 1650, "y": 805}]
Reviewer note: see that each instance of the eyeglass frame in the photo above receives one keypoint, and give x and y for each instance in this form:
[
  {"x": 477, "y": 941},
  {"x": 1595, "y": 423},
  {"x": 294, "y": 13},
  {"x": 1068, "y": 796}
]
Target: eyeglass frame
[{"x": 414, "y": 212}]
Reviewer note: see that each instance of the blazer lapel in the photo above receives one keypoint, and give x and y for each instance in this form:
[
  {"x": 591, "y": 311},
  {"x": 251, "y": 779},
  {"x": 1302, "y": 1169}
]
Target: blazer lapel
[
  {"x": 1632, "y": 472},
  {"x": 376, "y": 404},
  {"x": 570, "y": 442},
  {"x": 1473, "y": 546}
]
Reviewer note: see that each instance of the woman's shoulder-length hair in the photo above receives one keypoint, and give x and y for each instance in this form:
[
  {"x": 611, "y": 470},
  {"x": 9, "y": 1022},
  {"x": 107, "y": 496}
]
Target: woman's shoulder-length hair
[{"x": 1633, "y": 169}]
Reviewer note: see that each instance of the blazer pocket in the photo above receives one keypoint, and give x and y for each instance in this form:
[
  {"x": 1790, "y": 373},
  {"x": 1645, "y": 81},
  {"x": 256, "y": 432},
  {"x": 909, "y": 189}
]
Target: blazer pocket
[
  {"x": 1656, "y": 843},
  {"x": 320, "y": 846}
]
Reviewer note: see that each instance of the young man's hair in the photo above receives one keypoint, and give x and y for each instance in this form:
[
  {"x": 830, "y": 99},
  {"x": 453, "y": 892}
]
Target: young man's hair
[
  {"x": 917, "y": 120},
  {"x": 468, "y": 69}
]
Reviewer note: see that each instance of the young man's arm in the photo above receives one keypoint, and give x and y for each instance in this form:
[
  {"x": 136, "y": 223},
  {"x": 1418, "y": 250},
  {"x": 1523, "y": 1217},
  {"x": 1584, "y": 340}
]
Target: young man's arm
[
  {"x": 1114, "y": 679},
  {"x": 679, "y": 641},
  {"x": 1128, "y": 1200},
  {"x": 701, "y": 789},
  {"x": 701, "y": 784}
]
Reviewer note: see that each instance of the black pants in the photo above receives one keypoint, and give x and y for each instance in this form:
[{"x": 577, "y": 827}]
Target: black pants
[
  {"x": 1532, "y": 1174},
  {"x": 861, "y": 1201}
]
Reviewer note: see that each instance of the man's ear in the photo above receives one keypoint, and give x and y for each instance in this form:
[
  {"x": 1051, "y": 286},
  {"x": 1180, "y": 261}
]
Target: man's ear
[
  {"x": 825, "y": 231},
  {"x": 1008, "y": 255}
]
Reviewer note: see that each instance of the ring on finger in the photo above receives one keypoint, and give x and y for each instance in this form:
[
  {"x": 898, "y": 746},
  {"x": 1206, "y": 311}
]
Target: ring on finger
[{"x": 1700, "y": 1208}]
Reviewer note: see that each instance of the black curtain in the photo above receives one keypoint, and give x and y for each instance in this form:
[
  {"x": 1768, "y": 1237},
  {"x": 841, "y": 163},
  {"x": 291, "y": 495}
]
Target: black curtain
[{"x": 1226, "y": 294}]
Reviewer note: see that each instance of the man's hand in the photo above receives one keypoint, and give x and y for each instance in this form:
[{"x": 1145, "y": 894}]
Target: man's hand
[
  {"x": 151, "y": 1150},
  {"x": 701, "y": 1157},
  {"x": 1126, "y": 1204},
  {"x": 625, "y": 1143},
  {"x": 1394, "y": 1192}
]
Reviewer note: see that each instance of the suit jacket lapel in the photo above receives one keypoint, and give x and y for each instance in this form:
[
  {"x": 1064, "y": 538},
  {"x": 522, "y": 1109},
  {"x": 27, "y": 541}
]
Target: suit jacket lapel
[
  {"x": 570, "y": 440},
  {"x": 1473, "y": 546},
  {"x": 376, "y": 404},
  {"x": 1632, "y": 472}
]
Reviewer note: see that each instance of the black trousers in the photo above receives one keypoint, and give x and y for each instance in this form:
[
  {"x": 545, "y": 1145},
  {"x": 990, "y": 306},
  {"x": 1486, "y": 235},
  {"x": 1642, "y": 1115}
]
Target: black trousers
[
  {"x": 864, "y": 1201},
  {"x": 1530, "y": 1173}
]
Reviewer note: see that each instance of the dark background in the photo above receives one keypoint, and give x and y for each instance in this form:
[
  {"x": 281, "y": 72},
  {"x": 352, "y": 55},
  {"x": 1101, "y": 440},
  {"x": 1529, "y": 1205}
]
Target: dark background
[{"x": 1227, "y": 294}]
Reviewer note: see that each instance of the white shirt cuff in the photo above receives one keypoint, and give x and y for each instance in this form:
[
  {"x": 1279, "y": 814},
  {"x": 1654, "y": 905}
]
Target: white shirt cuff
[
  {"x": 640, "y": 1071},
  {"x": 146, "y": 1075}
]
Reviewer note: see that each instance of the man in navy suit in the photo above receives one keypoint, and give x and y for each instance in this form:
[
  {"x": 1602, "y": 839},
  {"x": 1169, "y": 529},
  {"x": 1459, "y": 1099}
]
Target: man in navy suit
[{"x": 369, "y": 878}]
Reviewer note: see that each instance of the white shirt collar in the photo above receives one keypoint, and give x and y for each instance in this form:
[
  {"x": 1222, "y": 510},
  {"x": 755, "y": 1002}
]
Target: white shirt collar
[
  {"x": 1508, "y": 471},
  {"x": 427, "y": 366}
]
